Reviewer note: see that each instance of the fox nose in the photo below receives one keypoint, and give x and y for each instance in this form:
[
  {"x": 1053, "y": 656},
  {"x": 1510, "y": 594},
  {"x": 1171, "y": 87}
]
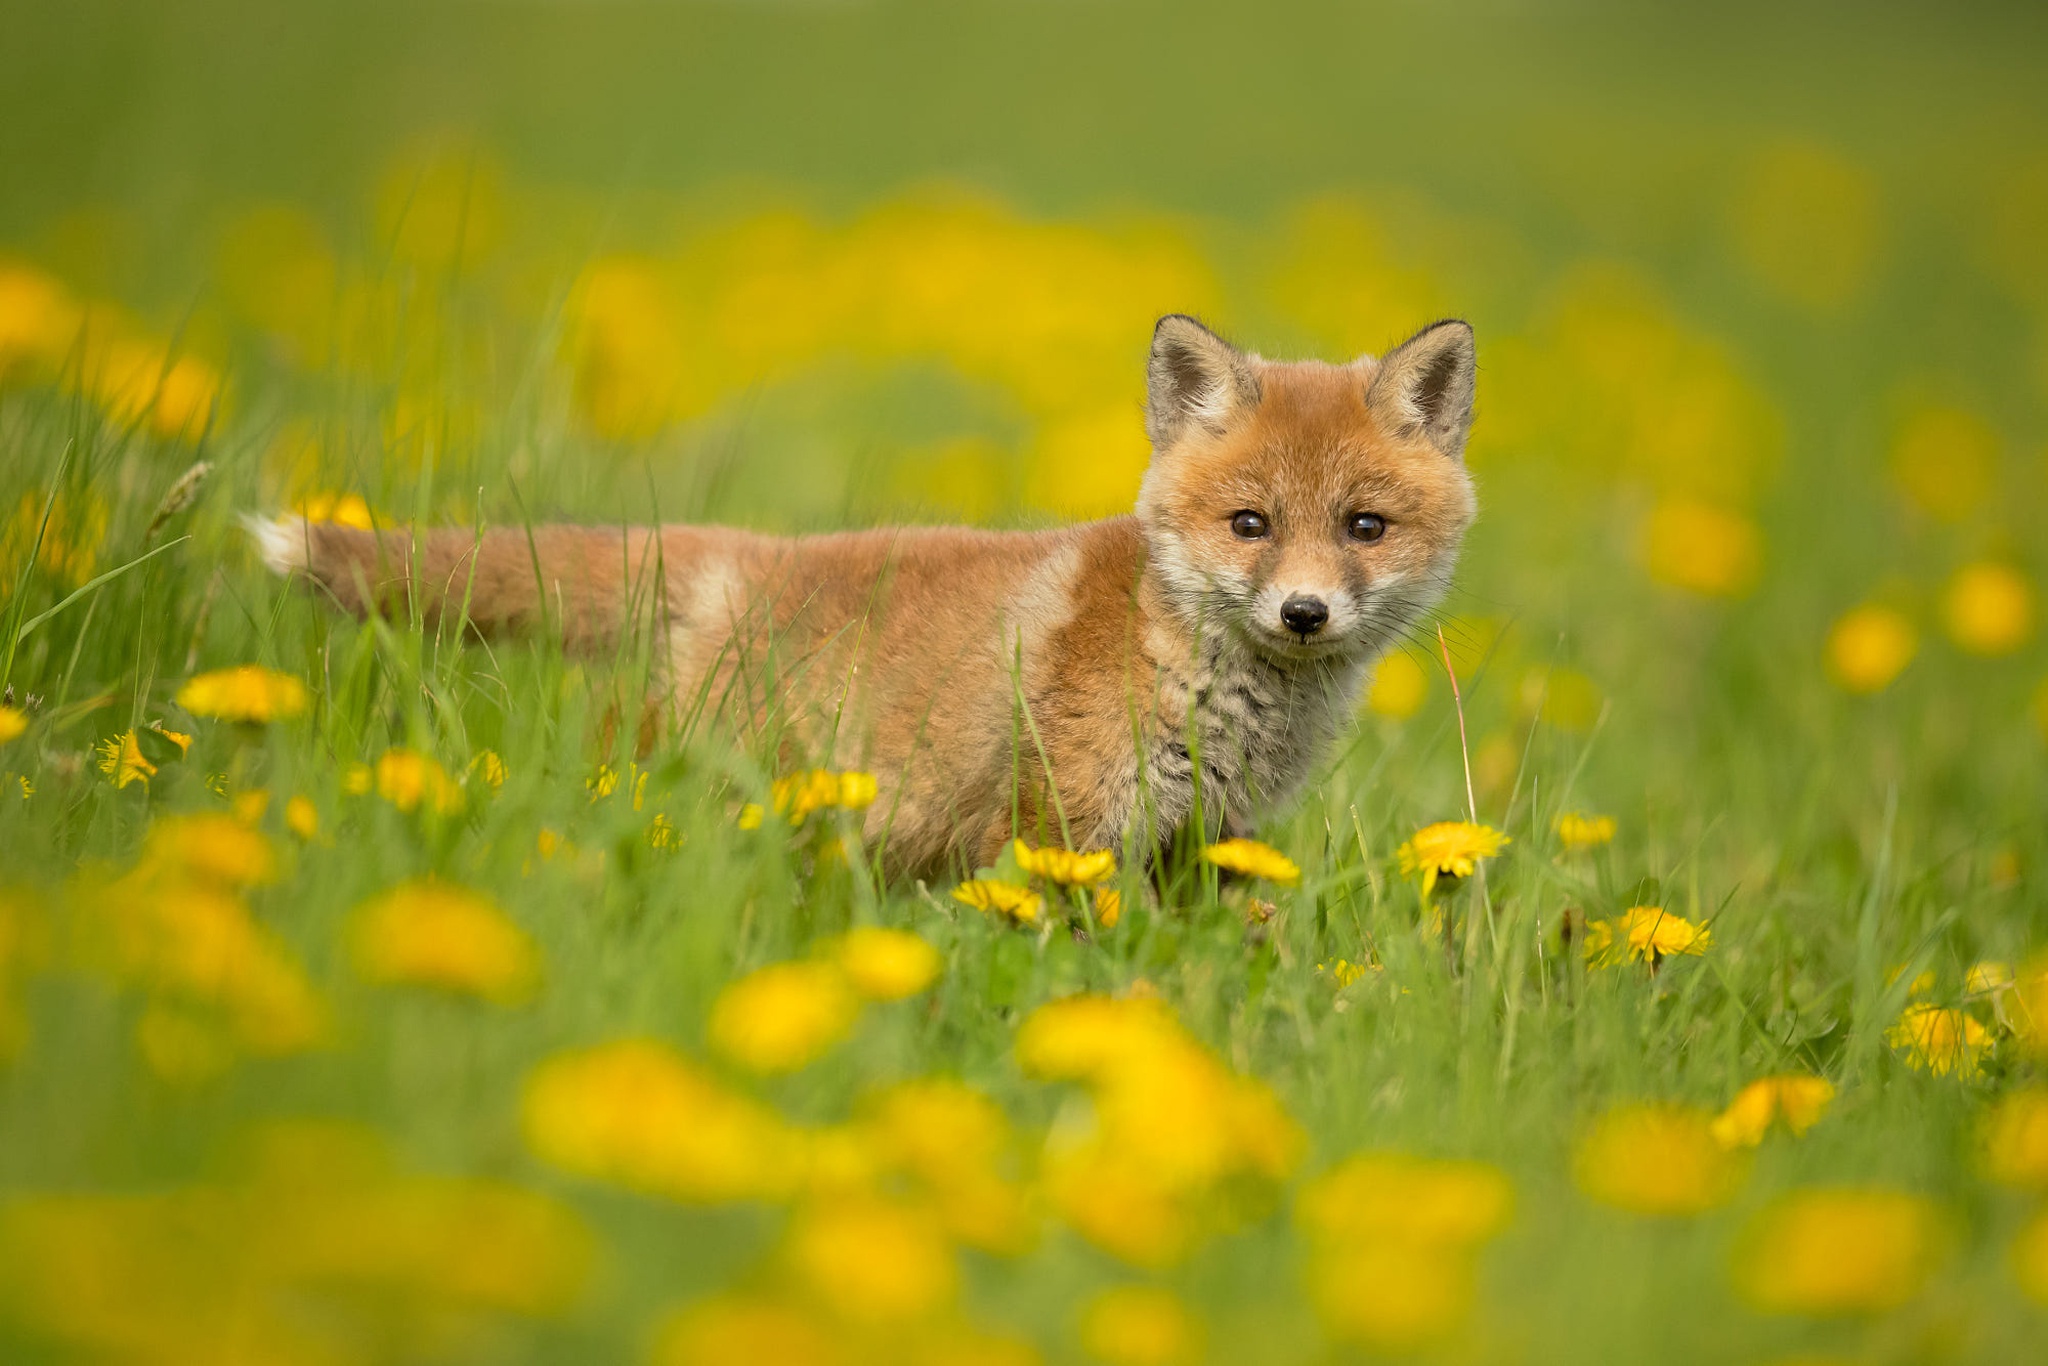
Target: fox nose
[{"x": 1303, "y": 614}]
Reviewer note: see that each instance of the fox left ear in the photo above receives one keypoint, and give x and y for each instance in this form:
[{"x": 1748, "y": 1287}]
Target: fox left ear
[{"x": 1424, "y": 386}]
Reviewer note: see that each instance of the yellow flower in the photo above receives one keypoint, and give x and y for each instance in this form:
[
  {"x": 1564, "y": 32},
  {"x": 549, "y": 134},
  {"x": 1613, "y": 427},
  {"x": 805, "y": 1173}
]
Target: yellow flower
[
  {"x": 1987, "y": 978},
  {"x": 1109, "y": 907},
  {"x": 1020, "y": 904},
  {"x": 124, "y": 760},
  {"x": 1343, "y": 972},
  {"x": 432, "y": 934},
  {"x": 341, "y": 509},
  {"x": 1798, "y": 1100},
  {"x": 70, "y": 539},
  {"x": 662, "y": 833},
  {"x": 1140, "y": 1325},
  {"x": 1397, "y": 1197},
  {"x": 638, "y": 1113},
  {"x": 728, "y": 1330},
  {"x": 1399, "y": 687},
  {"x": 1656, "y": 1159},
  {"x": 1449, "y": 849},
  {"x": 751, "y": 816},
  {"x": 2016, "y": 1140},
  {"x": 1989, "y": 609},
  {"x": 1577, "y": 831},
  {"x": 1944, "y": 461},
  {"x": 13, "y": 721},
  {"x": 488, "y": 768},
  {"x": 1838, "y": 1251},
  {"x": 301, "y": 817},
  {"x": 249, "y": 693},
  {"x": 1065, "y": 867},
  {"x": 209, "y": 848},
  {"x": 2029, "y": 1258},
  {"x": 408, "y": 779},
  {"x": 1644, "y": 934},
  {"x": 1253, "y": 859},
  {"x": 887, "y": 965},
  {"x": 873, "y": 1261},
  {"x": 1868, "y": 647},
  {"x": 1939, "y": 1040},
  {"x": 1390, "y": 1297},
  {"x": 1702, "y": 549},
  {"x": 797, "y": 795},
  {"x": 784, "y": 1016}
]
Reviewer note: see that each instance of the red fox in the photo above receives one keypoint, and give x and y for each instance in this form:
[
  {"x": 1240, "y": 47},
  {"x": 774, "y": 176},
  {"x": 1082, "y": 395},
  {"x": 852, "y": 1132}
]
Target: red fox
[{"x": 1110, "y": 684}]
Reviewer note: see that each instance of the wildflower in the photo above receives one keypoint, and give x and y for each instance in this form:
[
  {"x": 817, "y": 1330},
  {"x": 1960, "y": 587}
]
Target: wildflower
[
  {"x": 124, "y": 758},
  {"x": 873, "y": 1261},
  {"x": 1838, "y": 1251},
  {"x": 751, "y": 815},
  {"x": 249, "y": 805},
  {"x": 886, "y": 965},
  {"x": 210, "y": 848},
  {"x": 13, "y": 722},
  {"x": 662, "y": 833},
  {"x": 1399, "y": 687},
  {"x": 796, "y": 796},
  {"x": 1109, "y": 907},
  {"x": 1989, "y": 609},
  {"x": 605, "y": 781},
  {"x": 70, "y": 537},
  {"x": 638, "y": 1113},
  {"x": 1798, "y": 1100},
  {"x": 489, "y": 769},
  {"x": 2028, "y": 1257},
  {"x": 1089, "y": 1037},
  {"x": 1389, "y": 1297},
  {"x": 1987, "y": 978},
  {"x": 249, "y": 693},
  {"x": 1449, "y": 849},
  {"x": 409, "y": 779},
  {"x": 433, "y": 934},
  {"x": 2029, "y": 1006},
  {"x": 2016, "y": 1140},
  {"x": 1939, "y": 1040},
  {"x": 1065, "y": 867},
  {"x": 728, "y": 1329},
  {"x": 784, "y": 1016},
  {"x": 1644, "y": 934},
  {"x": 1577, "y": 831},
  {"x": 340, "y": 509},
  {"x": 1343, "y": 972},
  {"x": 301, "y": 817},
  {"x": 1868, "y": 647},
  {"x": 1701, "y": 548},
  {"x": 1414, "y": 1201},
  {"x": 1020, "y": 904},
  {"x": 1140, "y": 1325},
  {"x": 1656, "y": 1160},
  {"x": 1253, "y": 859}
]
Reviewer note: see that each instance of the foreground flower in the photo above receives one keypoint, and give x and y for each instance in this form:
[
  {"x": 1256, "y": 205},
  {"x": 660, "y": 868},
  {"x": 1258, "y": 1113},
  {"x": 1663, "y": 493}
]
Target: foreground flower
[
  {"x": 210, "y": 849},
  {"x": 13, "y": 722},
  {"x": 1939, "y": 1040},
  {"x": 1644, "y": 934},
  {"x": 1140, "y": 1325},
  {"x": 1577, "y": 831},
  {"x": 887, "y": 965},
  {"x": 434, "y": 934},
  {"x": 489, "y": 769},
  {"x": 124, "y": 758},
  {"x": 1989, "y": 609},
  {"x": 784, "y": 1016},
  {"x": 729, "y": 1328},
  {"x": 1799, "y": 1101},
  {"x": 1869, "y": 647},
  {"x": 873, "y": 1261},
  {"x": 1064, "y": 866},
  {"x": 1253, "y": 859},
  {"x": 1838, "y": 1251},
  {"x": 408, "y": 780},
  {"x": 2016, "y": 1140},
  {"x": 301, "y": 817},
  {"x": 1449, "y": 849},
  {"x": 1109, "y": 907},
  {"x": 1658, "y": 1160},
  {"x": 249, "y": 693},
  {"x": 1020, "y": 904},
  {"x": 2029, "y": 1258}
]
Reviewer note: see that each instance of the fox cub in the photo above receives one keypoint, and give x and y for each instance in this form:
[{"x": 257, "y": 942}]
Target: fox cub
[{"x": 1095, "y": 685}]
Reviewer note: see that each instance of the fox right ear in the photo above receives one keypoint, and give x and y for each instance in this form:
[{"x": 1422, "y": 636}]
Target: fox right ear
[
  {"x": 1194, "y": 379},
  {"x": 1424, "y": 386}
]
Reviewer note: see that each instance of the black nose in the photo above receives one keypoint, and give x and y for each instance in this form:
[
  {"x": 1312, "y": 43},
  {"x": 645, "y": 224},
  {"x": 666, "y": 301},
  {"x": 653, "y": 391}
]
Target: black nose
[{"x": 1304, "y": 615}]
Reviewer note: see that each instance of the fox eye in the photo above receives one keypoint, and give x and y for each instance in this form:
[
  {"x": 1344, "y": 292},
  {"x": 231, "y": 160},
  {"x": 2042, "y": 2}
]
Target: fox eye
[
  {"x": 1248, "y": 525},
  {"x": 1367, "y": 526}
]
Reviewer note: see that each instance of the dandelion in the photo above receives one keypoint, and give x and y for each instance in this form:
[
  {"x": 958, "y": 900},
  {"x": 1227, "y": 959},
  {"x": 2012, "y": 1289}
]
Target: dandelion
[
  {"x": 488, "y": 769},
  {"x": 125, "y": 759},
  {"x": 1140, "y": 1325},
  {"x": 1987, "y": 978},
  {"x": 1019, "y": 904},
  {"x": 1799, "y": 1101},
  {"x": 1415, "y": 1201},
  {"x": 2028, "y": 1258},
  {"x": 1660, "y": 1160},
  {"x": 1109, "y": 907},
  {"x": 433, "y": 934},
  {"x": 886, "y": 965},
  {"x": 249, "y": 693},
  {"x": 301, "y": 817},
  {"x": 1392, "y": 1298},
  {"x": 1399, "y": 688},
  {"x": 1939, "y": 1040},
  {"x": 784, "y": 1016},
  {"x": 798, "y": 795},
  {"x": 1988, "y": 609},
  {"x": 873, "y": 1261},
  {"x": 729, "y": 1329},
  {"x": 1449, "y": 849},
  {"x": 1577, "y": 831},
  {"x": 1944, "y": 460},
  {"x": 1343, "y": 972},
  {"x": 662, "y": 833},
  {"x": 1868, "y": 647},
  {"x": 2015, "y": 1144},
  {"x": 338, "y": 509},
  {"x": 409, "y": 779},
  {"x": 13, "y": 723},
  {"x": 211, "y": 849},
  {"x": 751, "y": 816},
  {"x": 1253, "y": 859},
  {"x": 1065, "y": 867},
  {"x": 1827, "y": 1252},
  {"x": 1712, "y": 551},
  {"x": 1644, "y": 934}
]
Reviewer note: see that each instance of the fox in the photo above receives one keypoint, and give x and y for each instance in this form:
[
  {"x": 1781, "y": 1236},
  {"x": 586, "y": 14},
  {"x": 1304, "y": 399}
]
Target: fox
[{"x": 1175, "y": 672}]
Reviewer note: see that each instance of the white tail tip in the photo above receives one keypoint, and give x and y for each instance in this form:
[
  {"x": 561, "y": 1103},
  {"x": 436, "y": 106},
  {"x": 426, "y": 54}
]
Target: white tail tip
[{"x": 282, "y": 543}]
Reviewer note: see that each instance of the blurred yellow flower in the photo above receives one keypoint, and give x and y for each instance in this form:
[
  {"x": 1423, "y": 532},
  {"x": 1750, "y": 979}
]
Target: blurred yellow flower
[
  {"x": 1140, "y": 1325},
  {"x": 2029, "y": 1257},
  {"x": 729, "y": 1330},
  {"x": 434, "y": 934},
  {"x": 1988, "y": 609},
  {"x": 409, "y": 780},
  {"x": 1449, "y": 849},
  {"x": 1064, "y": 866},
  {"x": 1090, "y": 1037},
  {"x": 638, "y": 1113},
  {"x": 66, "y": 546},
  {"x": 1799, "y": 1101},
  {"x": 1253, "y": 859},
  {"x": 1576, "y": 830},
  {"x": 1840, "y": 1251},
  {"x": 249, "y": 693},
  {"x": 13, "y": 723},
  {"x": 1560, "y": 697},
  {"x": 1702, "y": 548},
  {"x": 488, "y": 769},
  {"x": 1020, "y": 904},
  {"x": 1943, "y": 460},
  {"x": 1400, "y": 1198},
  {"x": 1939, "y": 1040},
  {"x": 1660, "y": 1160},
  {"x": 341, "y": 509},
  {"x": 872, "y": 1261},
  {"x": 1109, "y": 907},
  {"x": 2016, "y": 1139},
  {"x": 1343, "y": 972},
  {"x": 2028, "y": 1006},
  {"x": 885, "y": 964},
  {"x": 1868, "y": 647},
  {"x": 1644, "y": 934},
  {"x": 784, "y": 1016},
  {"x": 1399, "y": 687},
  {"x": 210, "y": 849},
  {"x": 301, "y": 817},
  {"x": 38, "y": 320},
  {"x": 1807, "y": 222}
]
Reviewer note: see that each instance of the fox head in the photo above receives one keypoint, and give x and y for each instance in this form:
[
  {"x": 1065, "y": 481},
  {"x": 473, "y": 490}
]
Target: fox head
[{"x": 1312, "y": 510}]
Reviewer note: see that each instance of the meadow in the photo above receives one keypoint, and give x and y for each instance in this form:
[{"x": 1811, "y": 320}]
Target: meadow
[{"x": 1674, "y": 988}]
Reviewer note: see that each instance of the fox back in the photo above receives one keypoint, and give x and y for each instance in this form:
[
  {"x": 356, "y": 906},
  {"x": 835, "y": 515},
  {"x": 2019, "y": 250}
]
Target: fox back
[{"x": 1110, "y": 684}]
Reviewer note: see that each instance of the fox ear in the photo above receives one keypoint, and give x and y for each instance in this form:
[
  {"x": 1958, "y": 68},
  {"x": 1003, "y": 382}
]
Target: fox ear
[
  {"x": 1194, "y": 379},
  {"x": 1424, "y": 387}
]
